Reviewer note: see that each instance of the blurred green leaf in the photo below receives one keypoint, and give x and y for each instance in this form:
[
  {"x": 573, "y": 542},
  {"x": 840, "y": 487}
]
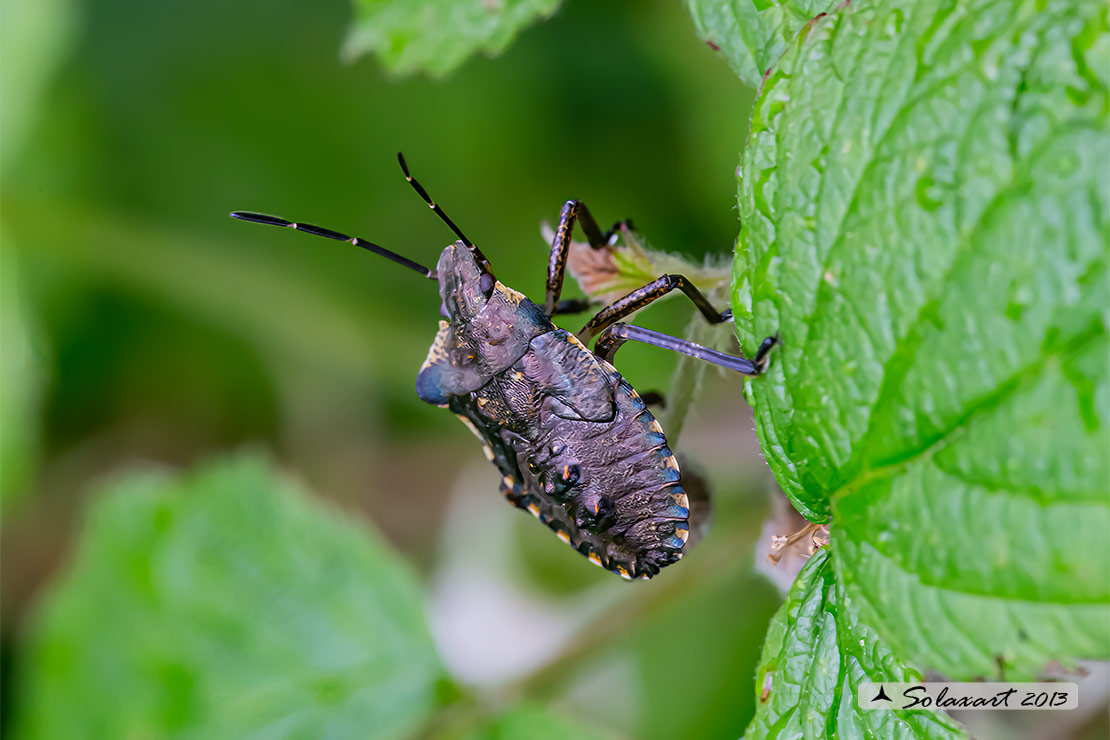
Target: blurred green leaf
[
  {"x": 817, "y": 651},
  {"x": 753, "y": 35},
  {"x": 227, "y": 605},
  {"x": 529, "y": 722},
  {"x": 923, "y": 200},
  {"x": 20, "y": 380},
  {"x": 34, "y": 37},
  {"x": 436, "y": 36}
]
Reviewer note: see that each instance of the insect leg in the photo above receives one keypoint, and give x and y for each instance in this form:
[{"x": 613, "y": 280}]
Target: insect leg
[
  {"x": 615, "y": 335},
  {"x": 641, "y": 297},
  {"x": 573, "y": 210}
]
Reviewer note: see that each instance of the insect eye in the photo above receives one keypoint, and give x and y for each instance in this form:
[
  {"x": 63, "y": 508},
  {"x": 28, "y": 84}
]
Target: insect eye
[{"x": 533, "y": 466}]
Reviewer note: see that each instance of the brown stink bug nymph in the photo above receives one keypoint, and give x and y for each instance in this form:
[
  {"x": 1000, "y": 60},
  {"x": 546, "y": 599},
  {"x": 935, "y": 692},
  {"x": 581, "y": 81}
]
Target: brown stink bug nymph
[{"x": 575, "y": 444}]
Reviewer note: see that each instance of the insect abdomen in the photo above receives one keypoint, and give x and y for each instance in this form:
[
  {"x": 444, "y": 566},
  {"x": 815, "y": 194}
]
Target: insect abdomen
[{"x": 579, "y": 449}]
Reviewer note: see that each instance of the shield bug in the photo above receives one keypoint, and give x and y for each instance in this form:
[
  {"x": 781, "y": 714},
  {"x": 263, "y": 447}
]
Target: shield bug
[{"x": 575, "y": 444}]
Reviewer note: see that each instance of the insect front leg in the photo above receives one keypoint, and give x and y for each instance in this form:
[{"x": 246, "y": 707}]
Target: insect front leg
[
  {"x": 573, "y": 210},
  {"x": 649, "y": 293},
  {"x": 615, "y": 335}
]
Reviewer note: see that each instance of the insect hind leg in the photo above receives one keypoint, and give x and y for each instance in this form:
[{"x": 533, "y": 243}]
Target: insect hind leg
[
  {"x": 647, "y": 294},
  {"x": 616, "y": 335}
]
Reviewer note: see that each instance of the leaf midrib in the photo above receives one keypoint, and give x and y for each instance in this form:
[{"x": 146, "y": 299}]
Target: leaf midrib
[{"x": 988, "y": 402}]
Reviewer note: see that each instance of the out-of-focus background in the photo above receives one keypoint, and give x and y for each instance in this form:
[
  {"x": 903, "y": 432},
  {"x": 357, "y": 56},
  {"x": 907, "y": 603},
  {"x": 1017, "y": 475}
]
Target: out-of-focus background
[
  {"x": 143, "y": 329},
  {"x": 143, "y": 326}
]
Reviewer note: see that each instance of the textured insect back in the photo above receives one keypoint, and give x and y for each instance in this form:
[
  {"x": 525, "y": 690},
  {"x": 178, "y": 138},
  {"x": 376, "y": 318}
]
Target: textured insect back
[{"x": 597, "y": 468}]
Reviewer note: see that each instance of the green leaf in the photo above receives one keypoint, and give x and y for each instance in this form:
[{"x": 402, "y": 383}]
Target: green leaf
[
  {"x": 529, "y": 722},
  {"x": 752, "y": 34},
  {"x": 436, "y": 36},
  {"x": 924, "y": 198},
  {"x": 817, "y": 651},
  {"x": 227, "y": 605}
]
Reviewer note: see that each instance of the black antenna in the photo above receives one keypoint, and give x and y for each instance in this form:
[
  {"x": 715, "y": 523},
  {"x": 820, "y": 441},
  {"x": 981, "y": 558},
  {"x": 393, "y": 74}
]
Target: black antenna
[
  {"x": 262, "y": 218},
  {"x": 482, "y": 261}
]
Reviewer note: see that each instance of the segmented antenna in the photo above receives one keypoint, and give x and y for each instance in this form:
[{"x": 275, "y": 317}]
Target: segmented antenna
[
  {"x": 262, "y": 218},
  {"x": 481, "y": 258}
]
